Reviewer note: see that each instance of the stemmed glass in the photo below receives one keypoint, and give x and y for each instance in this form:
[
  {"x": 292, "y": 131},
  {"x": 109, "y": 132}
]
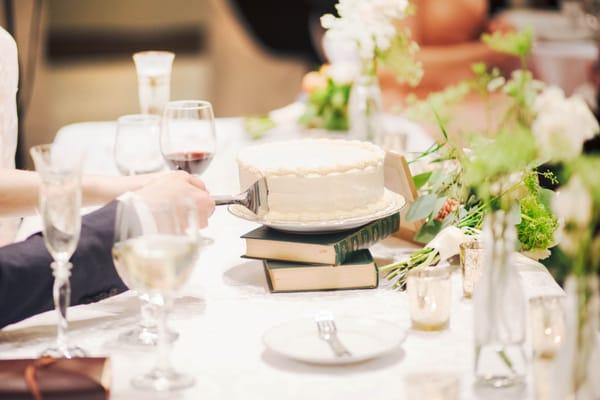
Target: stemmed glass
[
  {"x": 188, "y": 138},
  {"x": 187, "y": 135},
  {"x": 156, "y": 247},
  {"x": 154, "y": 79},
  {"x": 60, "y": 209},
  {"x": 136, "y": 144},
  {"x": 137, "y": 151}
]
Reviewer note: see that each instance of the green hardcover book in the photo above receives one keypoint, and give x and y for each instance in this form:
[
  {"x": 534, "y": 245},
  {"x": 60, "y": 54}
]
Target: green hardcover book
[
  {"x": 330, "y": 248},
  {"x": 358, "y": 272}
]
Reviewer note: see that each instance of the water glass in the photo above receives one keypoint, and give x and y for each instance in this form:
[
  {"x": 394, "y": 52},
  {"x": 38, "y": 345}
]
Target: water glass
[
  {"x": 156, "y": 248},
  {"x": 429, "y": 297},
  {"x": 471, "y": 258},
  {"x": 137, "y": 149},
  {"x": 154, "y": 79},
  {"x": 547, "y": 325},
  {"x": 60, "y": 209}
]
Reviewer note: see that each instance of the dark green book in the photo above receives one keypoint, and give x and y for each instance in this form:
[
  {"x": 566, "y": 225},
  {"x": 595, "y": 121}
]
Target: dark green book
[
  {"x": 358, "y": 272},
  {"x": 329, "y": 248}
]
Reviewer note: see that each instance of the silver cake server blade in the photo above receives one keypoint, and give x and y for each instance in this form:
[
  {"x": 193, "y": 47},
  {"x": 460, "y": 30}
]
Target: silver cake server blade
[{"x": 254, "y": 199}]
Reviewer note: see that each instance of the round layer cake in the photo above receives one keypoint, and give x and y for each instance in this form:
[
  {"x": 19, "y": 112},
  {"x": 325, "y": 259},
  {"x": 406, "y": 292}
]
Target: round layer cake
[{"x": 317, "y": 179}]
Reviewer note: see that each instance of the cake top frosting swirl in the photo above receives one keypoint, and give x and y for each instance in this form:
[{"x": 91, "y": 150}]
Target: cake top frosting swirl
[{"x": 310, "y": 156}]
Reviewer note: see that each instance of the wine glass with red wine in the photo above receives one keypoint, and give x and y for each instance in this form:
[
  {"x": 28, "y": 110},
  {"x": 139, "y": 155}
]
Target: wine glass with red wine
[
  {"x": 187, "y": 135},
  {"x": 187, "y": 138}
]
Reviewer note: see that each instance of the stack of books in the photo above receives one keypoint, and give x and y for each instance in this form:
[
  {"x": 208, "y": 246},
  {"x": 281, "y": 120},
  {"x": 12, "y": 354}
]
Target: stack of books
[{"x": 306, "y": 262}]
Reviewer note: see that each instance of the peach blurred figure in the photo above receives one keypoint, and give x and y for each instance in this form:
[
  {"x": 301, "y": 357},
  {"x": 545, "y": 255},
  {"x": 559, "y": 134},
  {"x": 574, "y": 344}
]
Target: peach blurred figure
[{"x": 448, "y": 32}]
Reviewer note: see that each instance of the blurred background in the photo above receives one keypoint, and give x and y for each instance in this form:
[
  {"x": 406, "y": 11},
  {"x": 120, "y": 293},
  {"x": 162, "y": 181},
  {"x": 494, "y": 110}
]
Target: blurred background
[{"x": 76, "y": 65}]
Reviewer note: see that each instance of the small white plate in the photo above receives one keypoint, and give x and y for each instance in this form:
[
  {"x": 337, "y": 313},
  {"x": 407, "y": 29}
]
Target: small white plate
[
  {"x": 365, "y": 338},
  {"x": 394, "y": 203}
]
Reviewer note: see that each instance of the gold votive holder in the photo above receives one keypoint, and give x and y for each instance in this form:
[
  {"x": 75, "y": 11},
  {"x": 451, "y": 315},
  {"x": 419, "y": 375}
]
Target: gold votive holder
[
  {"x": 471, "y": 258},
  {"x": 547, "y": 320},
  {"x": 429, "y": 293}
]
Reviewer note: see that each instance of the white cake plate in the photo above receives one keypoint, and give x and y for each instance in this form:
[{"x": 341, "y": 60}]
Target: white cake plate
[{"x": 393, "y": 205}]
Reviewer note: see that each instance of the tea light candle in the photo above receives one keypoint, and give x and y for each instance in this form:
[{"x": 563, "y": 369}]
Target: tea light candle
[
  {"x": 547, "y": 325},
  {"x": 429, "y": 297},
  {"x": 471, "y": 257}
]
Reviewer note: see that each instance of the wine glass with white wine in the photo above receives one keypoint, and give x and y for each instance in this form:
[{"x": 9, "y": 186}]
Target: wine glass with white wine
[
  {"x": 156, "y": 248},
  {"x": 137, "y": 151},
  {"x": 60, "y": 209}
]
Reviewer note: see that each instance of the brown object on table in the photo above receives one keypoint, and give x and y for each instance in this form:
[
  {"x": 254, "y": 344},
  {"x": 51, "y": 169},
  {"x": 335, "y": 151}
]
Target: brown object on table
[
  {"x": 55, "y": 378},
  {"x": 398, "y": 178}
]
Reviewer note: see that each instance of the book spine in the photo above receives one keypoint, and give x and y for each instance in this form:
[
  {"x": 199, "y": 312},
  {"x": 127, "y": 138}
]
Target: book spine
[{"x": 365, "y": 237}]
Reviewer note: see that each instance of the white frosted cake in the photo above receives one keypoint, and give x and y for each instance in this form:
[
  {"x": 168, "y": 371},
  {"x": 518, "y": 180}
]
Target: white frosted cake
[{"x": 316, "y": 179}]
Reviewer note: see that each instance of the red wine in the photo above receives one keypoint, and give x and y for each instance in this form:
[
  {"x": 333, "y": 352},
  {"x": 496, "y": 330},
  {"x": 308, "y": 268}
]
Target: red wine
[{"x": 193, "y": 162}]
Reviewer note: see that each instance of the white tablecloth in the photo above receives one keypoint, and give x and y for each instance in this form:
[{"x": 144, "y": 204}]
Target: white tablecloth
[{"x": 225, "y": 309}]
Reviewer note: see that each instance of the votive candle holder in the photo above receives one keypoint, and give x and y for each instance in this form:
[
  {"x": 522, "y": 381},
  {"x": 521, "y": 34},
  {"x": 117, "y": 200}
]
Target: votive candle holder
[
  {"x": 547, "y": 325},
  {"x": 429, "y": 293}
]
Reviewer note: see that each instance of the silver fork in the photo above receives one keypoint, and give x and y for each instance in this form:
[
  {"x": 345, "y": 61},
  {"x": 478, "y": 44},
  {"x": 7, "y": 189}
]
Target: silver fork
[{"x": 328, "y": 333}]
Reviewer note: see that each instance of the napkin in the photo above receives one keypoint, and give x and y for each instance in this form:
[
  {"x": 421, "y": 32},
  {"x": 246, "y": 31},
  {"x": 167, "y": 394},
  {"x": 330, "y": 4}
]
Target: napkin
[{"x": 50, "y": 378}]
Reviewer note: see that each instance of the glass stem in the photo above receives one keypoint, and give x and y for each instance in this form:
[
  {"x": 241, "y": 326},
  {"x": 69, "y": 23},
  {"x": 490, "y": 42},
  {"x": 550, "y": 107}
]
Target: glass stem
[
  {"x": 163, "y": 363},
  {"x": 148, "y": 312},
  {"x": 61, "y": 293}
]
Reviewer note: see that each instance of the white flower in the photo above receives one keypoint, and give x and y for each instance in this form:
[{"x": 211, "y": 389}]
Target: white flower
[
  {"x": 562, "y": 125},
  {"x": 447, "y": 242},
  {"x": 548, "y": 99},
  {"x": 369, "y": 23},
  {"x": 342, "y": 73},
  {"x": 573, "y": 203}
]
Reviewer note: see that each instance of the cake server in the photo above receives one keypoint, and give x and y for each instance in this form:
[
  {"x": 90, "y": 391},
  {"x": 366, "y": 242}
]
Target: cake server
[{"x": 254, "y": 199}]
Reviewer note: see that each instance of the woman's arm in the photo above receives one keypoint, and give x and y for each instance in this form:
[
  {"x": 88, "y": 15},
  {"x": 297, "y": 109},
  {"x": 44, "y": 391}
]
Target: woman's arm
[{"x": 19, "y": 190}]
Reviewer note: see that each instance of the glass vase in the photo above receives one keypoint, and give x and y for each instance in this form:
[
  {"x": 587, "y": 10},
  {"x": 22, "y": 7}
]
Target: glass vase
[
  {"x": 499, "y": 308},
  {"x": 578, "y": 362},
  {"x": 365, "y": 105}
]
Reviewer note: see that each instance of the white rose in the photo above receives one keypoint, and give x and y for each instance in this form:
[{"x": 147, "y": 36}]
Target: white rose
[
  {"x": 587, "y": 125},
  {"x": 573, "y": 203},
  {"x": 548, "y": 99},
  {"x": 562, "y": 126},
  {"x": 342, "y": 73},
  {"x": 557, "y": 136}
]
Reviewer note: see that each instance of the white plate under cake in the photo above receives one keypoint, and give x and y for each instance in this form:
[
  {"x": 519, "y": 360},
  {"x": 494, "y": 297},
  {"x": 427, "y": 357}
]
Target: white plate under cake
[{"x": 315, "y": 180}]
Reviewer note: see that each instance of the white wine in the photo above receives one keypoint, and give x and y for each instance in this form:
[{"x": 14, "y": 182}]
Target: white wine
[{"x": 157, "y": 263}]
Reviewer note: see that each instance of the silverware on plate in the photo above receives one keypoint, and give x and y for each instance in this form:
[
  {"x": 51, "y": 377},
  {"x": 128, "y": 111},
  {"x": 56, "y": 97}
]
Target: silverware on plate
[
  {"x": 328, "y": 333},
  {"x": 254, "y": 199}
]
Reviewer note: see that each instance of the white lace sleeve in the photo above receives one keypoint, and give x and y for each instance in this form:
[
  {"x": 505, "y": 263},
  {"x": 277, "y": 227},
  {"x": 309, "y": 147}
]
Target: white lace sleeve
[{"x": 9, "y": 78}]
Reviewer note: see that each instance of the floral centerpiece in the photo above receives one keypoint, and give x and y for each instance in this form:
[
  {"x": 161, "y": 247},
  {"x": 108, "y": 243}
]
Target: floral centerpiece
[
  {"x": 371, "y": 27},
  {"x": 495, "y": 187}
]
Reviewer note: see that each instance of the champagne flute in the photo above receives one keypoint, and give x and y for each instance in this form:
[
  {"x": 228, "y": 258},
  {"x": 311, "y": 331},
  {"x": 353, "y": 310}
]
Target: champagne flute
[
  {"x": 137, "y": 151},
  {"x": 136, "y": 144},
  {"x": 156, "y": 247},
  {"x": 188, "y": 137},
  {"x": 60, "y": 208},
  {"x": 154, "y": 79}
]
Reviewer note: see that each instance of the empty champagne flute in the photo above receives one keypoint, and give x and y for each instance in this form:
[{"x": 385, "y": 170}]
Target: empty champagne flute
[
  {"x": 156, "y": 247},
  {"x": 60, "y": 209},
  {"x": 137, "y": 150},
  {"x": 154, "y": 79}
]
